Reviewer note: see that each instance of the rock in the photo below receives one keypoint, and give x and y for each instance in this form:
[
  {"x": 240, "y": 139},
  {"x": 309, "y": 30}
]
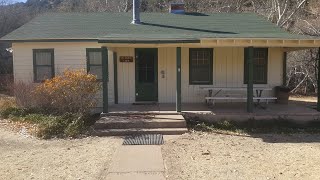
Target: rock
[{"x": 206, "y": 153}]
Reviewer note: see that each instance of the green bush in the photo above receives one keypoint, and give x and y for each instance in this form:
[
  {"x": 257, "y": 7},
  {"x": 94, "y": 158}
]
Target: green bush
[
  {"x": 6, "y": 103},
  {"x": 278, "y": 125},
  {"x": 75, "y": 128},
  {"x": 49, "y": 126},
  {"x": 13, "y": 111}
]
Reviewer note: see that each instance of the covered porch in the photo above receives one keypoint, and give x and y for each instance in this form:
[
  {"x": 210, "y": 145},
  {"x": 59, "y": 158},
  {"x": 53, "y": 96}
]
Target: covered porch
[
  {"x": 180, "y": 80},
  {"x": 297, "y": 109}
]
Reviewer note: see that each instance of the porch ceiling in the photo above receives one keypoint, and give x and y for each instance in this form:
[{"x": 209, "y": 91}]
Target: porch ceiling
[{"x": 289, "y": 45}]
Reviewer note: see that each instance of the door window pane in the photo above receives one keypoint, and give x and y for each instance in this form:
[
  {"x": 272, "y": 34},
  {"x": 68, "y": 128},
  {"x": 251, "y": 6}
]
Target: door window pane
[{"x": 146, "y": 71}]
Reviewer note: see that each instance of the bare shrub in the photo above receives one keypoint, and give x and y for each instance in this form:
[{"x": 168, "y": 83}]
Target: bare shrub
[
  {"x": 23, "y": 93},
  {"x": 6, "y": 103},
  {"x": 72, "y": 92},
  {"x": 6, "y": 82}
]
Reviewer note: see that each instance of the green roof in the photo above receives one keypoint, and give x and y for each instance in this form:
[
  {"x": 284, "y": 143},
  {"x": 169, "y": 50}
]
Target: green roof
[{"x": 155, "y": 26}]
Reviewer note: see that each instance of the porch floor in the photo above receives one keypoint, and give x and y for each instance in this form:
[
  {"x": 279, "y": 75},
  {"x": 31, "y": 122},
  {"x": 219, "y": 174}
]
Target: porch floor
[{"x": 294, "y": 110}]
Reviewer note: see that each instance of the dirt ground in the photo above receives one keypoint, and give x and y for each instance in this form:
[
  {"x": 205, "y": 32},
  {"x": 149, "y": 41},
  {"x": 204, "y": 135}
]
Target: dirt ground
[
  {"x": 203, "y": 156},
  {"x": 25, "y": 157},
  {"x": 303, "y": 98}
]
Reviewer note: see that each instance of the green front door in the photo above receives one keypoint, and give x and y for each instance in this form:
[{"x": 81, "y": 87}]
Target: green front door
[{"x": 146, "y": 74}]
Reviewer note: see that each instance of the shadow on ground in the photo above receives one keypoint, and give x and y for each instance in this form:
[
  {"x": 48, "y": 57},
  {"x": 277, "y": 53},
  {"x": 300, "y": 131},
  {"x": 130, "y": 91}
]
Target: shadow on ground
[{"x": 288, "y": 138}]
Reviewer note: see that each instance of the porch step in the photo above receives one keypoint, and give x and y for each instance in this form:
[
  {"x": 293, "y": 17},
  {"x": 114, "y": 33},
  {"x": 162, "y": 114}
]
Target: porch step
[
  {"x": 135, "y": 131},
  {"x": 126, "y": 122},
  {"x": 140, "y": 124}
]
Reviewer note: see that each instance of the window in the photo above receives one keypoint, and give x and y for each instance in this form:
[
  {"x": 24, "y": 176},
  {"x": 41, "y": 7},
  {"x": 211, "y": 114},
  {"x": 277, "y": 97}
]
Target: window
[
  {"x": 260, "y": 65},
  {"x": 200, "y": 66},
  {"x": 43, "y": 64},
  {"x": 94, "y": 62}
]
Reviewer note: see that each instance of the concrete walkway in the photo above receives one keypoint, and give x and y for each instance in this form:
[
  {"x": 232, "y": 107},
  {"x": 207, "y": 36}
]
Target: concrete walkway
[{"x": 137, "y": 163}]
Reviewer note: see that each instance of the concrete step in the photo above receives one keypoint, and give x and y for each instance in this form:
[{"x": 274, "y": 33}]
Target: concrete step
[
  {"x": 139, "y": 121},
  {"x": 134, "y": 131}
]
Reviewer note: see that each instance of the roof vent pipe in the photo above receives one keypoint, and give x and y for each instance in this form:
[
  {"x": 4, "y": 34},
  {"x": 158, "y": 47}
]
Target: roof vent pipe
[{"x": 136, "y": 12}]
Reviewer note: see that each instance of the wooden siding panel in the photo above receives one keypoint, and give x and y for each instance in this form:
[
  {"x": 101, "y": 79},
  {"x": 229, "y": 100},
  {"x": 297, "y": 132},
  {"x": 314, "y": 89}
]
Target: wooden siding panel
[
  {"x": 126, "y": 76},
  {"x": 167, "y": 85},
  {"x": 67, "y": 56}
]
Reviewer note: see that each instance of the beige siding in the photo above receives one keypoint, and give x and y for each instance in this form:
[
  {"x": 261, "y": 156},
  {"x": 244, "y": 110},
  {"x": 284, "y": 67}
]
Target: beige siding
[
  {"x": 66, "y": 56},
  {"x": 167, "y": 81},
  {"x": 227, "y": 69},
  {"x": 126, "y": 76}
]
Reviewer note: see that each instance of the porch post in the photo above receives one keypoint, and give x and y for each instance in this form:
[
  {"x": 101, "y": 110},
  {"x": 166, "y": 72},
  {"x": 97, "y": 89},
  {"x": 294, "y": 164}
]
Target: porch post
[
  {"x": 284, "y": 69},
  {"x": 105, "y": 78},
  {"x": 250, "y": 80},
  {"x": 318, "y": 102},
  {"x": 115, "y": 68},
  {"x": 178, "y": 94}
]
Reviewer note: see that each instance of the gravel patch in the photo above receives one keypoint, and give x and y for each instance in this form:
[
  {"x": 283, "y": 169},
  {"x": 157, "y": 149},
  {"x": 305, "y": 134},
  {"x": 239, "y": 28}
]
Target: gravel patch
[
  {"x": 25, "y": 157},
  {"x": 268, "y": 156}
]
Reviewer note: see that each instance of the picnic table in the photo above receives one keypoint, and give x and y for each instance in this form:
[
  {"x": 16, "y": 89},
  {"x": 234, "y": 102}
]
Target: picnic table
[{"x": 214, "y": 96}]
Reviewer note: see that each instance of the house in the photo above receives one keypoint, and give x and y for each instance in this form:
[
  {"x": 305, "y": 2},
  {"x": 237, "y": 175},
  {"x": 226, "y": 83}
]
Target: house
[{"x": 160, "y": 57}]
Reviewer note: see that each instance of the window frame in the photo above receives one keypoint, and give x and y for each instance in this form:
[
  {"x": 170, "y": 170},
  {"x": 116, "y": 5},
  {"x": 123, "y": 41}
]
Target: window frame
[
  {"x": 88, "y": 50},
  {"x": 245, "y": 71},
  {"x": 35, "y": 51},
  {"x": 210, "y": 82}
]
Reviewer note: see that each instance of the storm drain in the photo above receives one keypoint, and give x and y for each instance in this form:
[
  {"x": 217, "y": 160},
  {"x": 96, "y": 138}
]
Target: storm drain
[{"x": 144, "y": 139}]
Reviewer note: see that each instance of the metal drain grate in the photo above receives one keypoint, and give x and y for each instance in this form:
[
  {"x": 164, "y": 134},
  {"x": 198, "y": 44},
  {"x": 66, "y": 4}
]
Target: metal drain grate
[{"x": 144, "y": 139}]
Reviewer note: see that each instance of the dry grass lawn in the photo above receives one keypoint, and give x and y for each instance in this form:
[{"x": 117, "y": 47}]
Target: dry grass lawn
[
  {"x": 30, "y": 158},
  {"x": 204, "y": 156}
]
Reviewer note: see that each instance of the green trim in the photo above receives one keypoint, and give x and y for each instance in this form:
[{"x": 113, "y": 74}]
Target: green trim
[
  {"x": 88, "y": 50},
  {"x": 51, "y": 40},
  {"x": 318, "y": 102},
  {"x": 115, "y": 67},
  {"x": 210, "y": 50},
  {"x": 178, "y": 93},
  {"x": 245, "y": 80},
  {"x": 104, "y": 51},
  {"x": 35, "y": 65},
  {"x": 284, "y": 69},
  {"x": 155, "y": 41},
  {"x": 250, "y": 80}
]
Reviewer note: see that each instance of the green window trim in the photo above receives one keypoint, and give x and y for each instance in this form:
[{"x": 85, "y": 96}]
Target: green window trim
[
  {"x": 35, "y": 66},
  {"x": 89, "y": 65},
  {"x": 255, "y": 66},
  {"x": 210, "y": 67}
]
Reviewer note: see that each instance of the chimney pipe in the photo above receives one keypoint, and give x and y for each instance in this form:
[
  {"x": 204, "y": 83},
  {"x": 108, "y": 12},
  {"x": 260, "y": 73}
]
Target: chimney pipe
[{"x": 136, "y": 12}]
